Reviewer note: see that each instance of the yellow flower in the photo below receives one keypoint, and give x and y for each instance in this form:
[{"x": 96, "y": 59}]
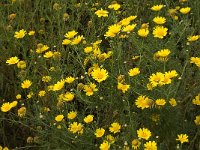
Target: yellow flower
[
  {"x": 115, "y": 127},
  {"x": 115, "y": 6},
  {"x": 77, "y": 40},
  {"x": 21, "y": 112},
  {"x": 150, "y": 145},
  {"x": 129, "y": 28},
  {"x": 143, "y": 32},
  {"x": 157, "y": 7},
  {"x": 182, "y": 138},
  {"x": 41, "y": 48},
  {"x": 66, "y": 42},
  {"x": 13, "y": 104},
  {"x": 101, "y": 13},
  {"x": 143, "y": 102},
  {"x": 144, "y": 133},
  {"x": 59, "y": 85},
  {"x": 159, "y": 20},
  {"x": 160, "y": 102},
  {"x": 69, "y": 79},
  {"x": 105, "y": 146},
  {"x": 123, "y": 87},
  {"x": 76, "y": 128},
  {"x": 162, "y": 55},
  {"x": 195, "y": 60},
  {"x": 5, "y": 107},
  {"x": 18, "y": 96},
  {"x": 173, "y": 102},
  {"x": 12, "y": 60},
  {"x": 46, "y": 78},
  {"x": 26, "y": 84},
  {"x": 88, "y": 49},
  {"x": 110, "y": 139},
  {"x": 185, "y": 10},
  {"x": 48, "y": 54},
  {"x": 20, "y": 34},
  {"x": 41, "y": 93},
  {"x": 31, "y": 33},
  {"x": 90, "y": 89},
  {"x": 99, "y": 132},
  {"x": 160, "y": 32},
  {"x": 134, "y": 72},
  {"x": 197, "y": 120},
  {"x": 99, "y": 74},
  {"x": 193, "y": 38},
  {"x": 21, "y": 64},
  {"x": 68, "y": 96},
  {"x": 30, "y": 94},
  {"x": 72, "y": 114},
  {"x": 156, "y": 79},
  {"x": 135, "y": 144},
  {"x": 196, "y": 100},
  {"x": 59, "y": 118},
  {"x": 71, "y": 34},
  {"x": 88, "y": 118}
]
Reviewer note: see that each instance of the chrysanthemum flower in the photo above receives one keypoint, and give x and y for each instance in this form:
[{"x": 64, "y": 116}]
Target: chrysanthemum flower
[
  {"x": 76, "y": 127},
  {"x": 90, "y": 89},
  {"x": 196, "y": 100},
  {"x": 143, "y": 32},
  {"x": 72, "y": 114},
  {"x": 21, "y": 112},
  {"x": 123, "y": 87},
  {"x": 102, "y": 13},
  {"x": 157, "y": 7},
  {"x": 135, "y": 144},
  {"x": 99, "y": 132},
  {"x": 71, "y": 34},
  {"x": 183, "y": 138},
  {"x": 159, "y": 20},
  {"x": 197, "y": 120},
  {"x": 99, "y": 74},
  {"x": 134, "y": 72},
  {"x": 162, "y": 55},
  {"x": 105, "y": 146},
  {"x": 12, "y": 60},
  {"x": 114, "y": 6},
  {"x": 21, "y": 64},
  {"x": 68, "y": 96},
  {"x": 173, "y": 102},
  {"x": 195, "y": 60},
  {"x": 143, "y": 102},
  {"x": 69, "y": 79},
  {"x": 88, "y": 118},
  {"x": 193, "y": 38},
  {"x": 59, "y": 118},
  {"x": 20, "y": 34},
  {"x": 26, "y": 84},
  {"x": 48, "y": 54},
  {"x": 5, "y": 107},
  {"x": 150, "y": 145},
  {"x": 160, "y": 102},
  {"x": 115, "y": 127},
  {"x": 59, "y": 85},
  {"x": 160, "y": 32},
  {"x": 144, "y": 133},
  {"x": 129, "y": 28},
  {"x": 185, "y": 10}
]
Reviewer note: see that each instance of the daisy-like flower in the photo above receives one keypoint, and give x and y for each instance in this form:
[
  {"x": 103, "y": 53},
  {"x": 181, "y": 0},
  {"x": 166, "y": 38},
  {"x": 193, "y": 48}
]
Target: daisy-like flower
[
  {"x": 143, "y": 102},
  {"x": 114, "y": 6},
  {"x": 162, "y": 55},
  {"x": 88, "y": 118},
  {"x": 48, "y": 54},
  {"x": 76, "y": 127},
  {"x": 160, "y": 32},
  {"x": 135, "y": 144},
  {"x": 21, "y": 112},
  {"x": 195, "y": 60},
  {"x": 72, "y": 114},
  {"x": 196, "y": 100},
  {"x": 26, "y": 84},
  {"x": 183, "y": 138},
  {"x": 160, "y": 102},
  {"x": 115, "y": 127},
  {"x": 69, "y": 79},
  {"x": 197, "y": 120},
  {"x": 5, "y": 107},
  {"x": 101, "y": 13},
  {"x": 157, "y": 7},
  {"x": 185, "y": 10},
  {"x": 159, "y": 20},
  {"x": 21, "y": 64},
  {"x": 68, "y": 96},
  {"x": 134, "y": 72},
  {"x": 12, "y": 60},
  {"x": 90, "y": 89},
  {"x": 59, "y": 85},
  {"x": 123, "y": 87},
  {"x": 143, "y": 32},
  {"x": 193, "y": 38},
  {"x": 20, "y": 34},
  {"x": 71, "y": 34},
  {"x": 172, "y": 102},
  {"x": 105, "y": 146},
  {"x": 99, "y": 132},
  {"x": 150, "y": 145},
  {"x": 144, "y": 133},
  {"x": 59, "y": 118},
  {"x": 129, "y": 28},
  {"x": 99, "y": 74}
]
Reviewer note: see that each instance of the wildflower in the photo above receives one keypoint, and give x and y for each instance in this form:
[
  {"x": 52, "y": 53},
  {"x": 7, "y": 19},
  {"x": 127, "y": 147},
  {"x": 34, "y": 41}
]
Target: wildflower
[
  {"x": 182, "y": 138},
  {"x": 88, "y": 49},
  {"x": 173, "y": 102},
  {"x": 5, "y": 107},
  {"x": 41, "y": 93},
  {"x": 143, "y": 102},
  {"x": 31, "y": 33},
  {"x": 160, "y": 102},
  {"x": 144, "y": 133},
  {"x": 66, "y": 42},
  {"x": 115, "y": 127},
  {"x": 76, "y": 128},
  {"x": 90, "y": 89},
  {"x": 68, "y": 96},
  {"x": 18, "y": 96},
  {"x": 115, "y": 6},
  {"x": 48, "y": 54},
  {"x": 171, "y": 74},
  {"x": 110, "y": 139},
  {"x": 159, "y": 20},
  {"x": 99, "y": 74},
  {"x": 123, "y": 87},
  {"x": 21, "y": 64},
  {"x": 12, "y": 60},
  {"x": 21, "y": 112},
  {"x": 156, "y": 79},
  {"x": 185, "y": 10},
  {"x": 150, "y": 145},
  {"x": 143, "y": 32},
  {"x": 160, "y": 32},
  {"x": 88, "y": 118},
  {"x": 135, "y": 144},
  {"x": 77, "y": 40},
  {"x": 101, "y": 13},
  {"x": 197, "y": 120},
  {"x": 195, "y": 60},
  {"x": 129, "y": 28},
  {"x": 157, "y": 7},
  {"x": 196, "y": 100},
  {"x": 134, "y": 72},
  {"x": 72, "y": 114},
  {"x": 105, "y": 146},
  {"x": 46, "y": 78},
  {"x": 59, "y": 118},
  {"x": 30, "y": 94},
  {"x": 162, "y": 55},
  {"x": 20, "y": 34},
  {"x": 193, "y": 38},
  {"x": 99, "y": 132},
  {"x": 26, "y": 84},
  {"x": 41, "y": 48},
  {"x": 69, "y": 79},
  {"x": 59, "y": 85}
]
